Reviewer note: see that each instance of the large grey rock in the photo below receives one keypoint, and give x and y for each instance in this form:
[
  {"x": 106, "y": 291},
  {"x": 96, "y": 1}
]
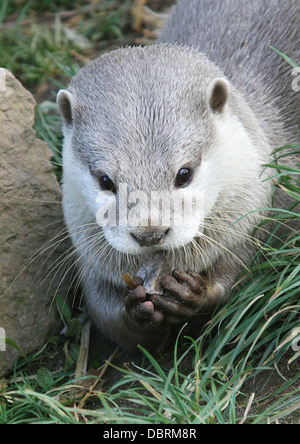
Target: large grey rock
[{"x": 30, "y": 216}]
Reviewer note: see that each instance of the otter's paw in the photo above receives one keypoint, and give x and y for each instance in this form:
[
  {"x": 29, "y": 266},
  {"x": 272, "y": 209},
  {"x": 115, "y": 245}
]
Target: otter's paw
[
  {"x": 141, "y": 311},
  {"x": 185, "y": 294}
]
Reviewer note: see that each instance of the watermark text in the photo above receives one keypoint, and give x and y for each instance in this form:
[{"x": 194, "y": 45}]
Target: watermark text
[
  {"x": 2, "y": 340},
  {"x": 296, "y": 80},
  {"x": 139, "y": 208}
]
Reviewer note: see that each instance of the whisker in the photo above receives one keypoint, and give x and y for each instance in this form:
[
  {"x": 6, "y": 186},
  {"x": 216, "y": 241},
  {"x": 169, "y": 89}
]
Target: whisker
[
  {"x": 27, "y": 199},
  {"x": 224, "y": 249},
  {"x": 94, "y": 239},
  {"x": 86, "y": 228},
  {"x": 257, "y": 243}
]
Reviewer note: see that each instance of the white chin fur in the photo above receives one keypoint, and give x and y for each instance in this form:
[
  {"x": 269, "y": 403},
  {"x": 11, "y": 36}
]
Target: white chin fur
[{"x": 124, "y": 243}]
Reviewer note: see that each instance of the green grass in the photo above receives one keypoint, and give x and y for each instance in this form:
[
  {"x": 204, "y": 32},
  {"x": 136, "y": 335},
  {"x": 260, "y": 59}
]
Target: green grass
[
  {"x": 44, "y": 51},
  {"x": 35, "y": 41},
  {"x": 48, "y": 128},
  {"x": 247, "y": 347}
]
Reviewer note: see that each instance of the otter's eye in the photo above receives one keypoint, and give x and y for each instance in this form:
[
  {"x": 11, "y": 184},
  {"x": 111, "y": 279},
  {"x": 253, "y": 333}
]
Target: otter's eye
[
  {"x": 107, "y": 184},
  {"x": 183, "y": 178}
]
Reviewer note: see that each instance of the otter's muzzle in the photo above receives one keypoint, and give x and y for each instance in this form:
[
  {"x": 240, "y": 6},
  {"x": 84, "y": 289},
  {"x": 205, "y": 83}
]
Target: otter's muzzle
[{"x": 150, "y": 238}]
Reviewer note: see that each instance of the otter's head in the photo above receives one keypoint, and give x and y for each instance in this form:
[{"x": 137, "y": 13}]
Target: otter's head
[{"x": 140, "y": 156}]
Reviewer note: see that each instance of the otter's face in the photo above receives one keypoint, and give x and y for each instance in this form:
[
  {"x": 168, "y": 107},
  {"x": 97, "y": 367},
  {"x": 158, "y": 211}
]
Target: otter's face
[{"x": 137, "y": 151}]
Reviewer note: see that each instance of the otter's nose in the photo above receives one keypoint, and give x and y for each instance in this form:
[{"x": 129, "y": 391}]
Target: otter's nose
[{"x": 150, "y": 238}]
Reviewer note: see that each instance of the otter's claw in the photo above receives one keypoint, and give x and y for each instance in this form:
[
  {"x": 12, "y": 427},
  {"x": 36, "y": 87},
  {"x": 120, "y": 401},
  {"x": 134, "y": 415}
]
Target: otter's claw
[
  {"x": 140, "y": 309},
  {"x": 184, "y": 297}
]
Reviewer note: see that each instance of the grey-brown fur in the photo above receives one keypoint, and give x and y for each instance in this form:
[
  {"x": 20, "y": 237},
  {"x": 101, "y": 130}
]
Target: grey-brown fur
[
  {"x": 138, "y": 115},
  {"x": 237, "y": 37}
]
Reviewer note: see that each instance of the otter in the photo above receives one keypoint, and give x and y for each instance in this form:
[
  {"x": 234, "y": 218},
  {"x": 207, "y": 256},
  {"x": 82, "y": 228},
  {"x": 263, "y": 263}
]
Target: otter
[{"x": 163, "y": 160}]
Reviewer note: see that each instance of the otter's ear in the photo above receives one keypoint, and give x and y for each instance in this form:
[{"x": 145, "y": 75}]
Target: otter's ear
[
  {"x": 218, "y": 95},
  {"x": 65, "y": 104}
]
